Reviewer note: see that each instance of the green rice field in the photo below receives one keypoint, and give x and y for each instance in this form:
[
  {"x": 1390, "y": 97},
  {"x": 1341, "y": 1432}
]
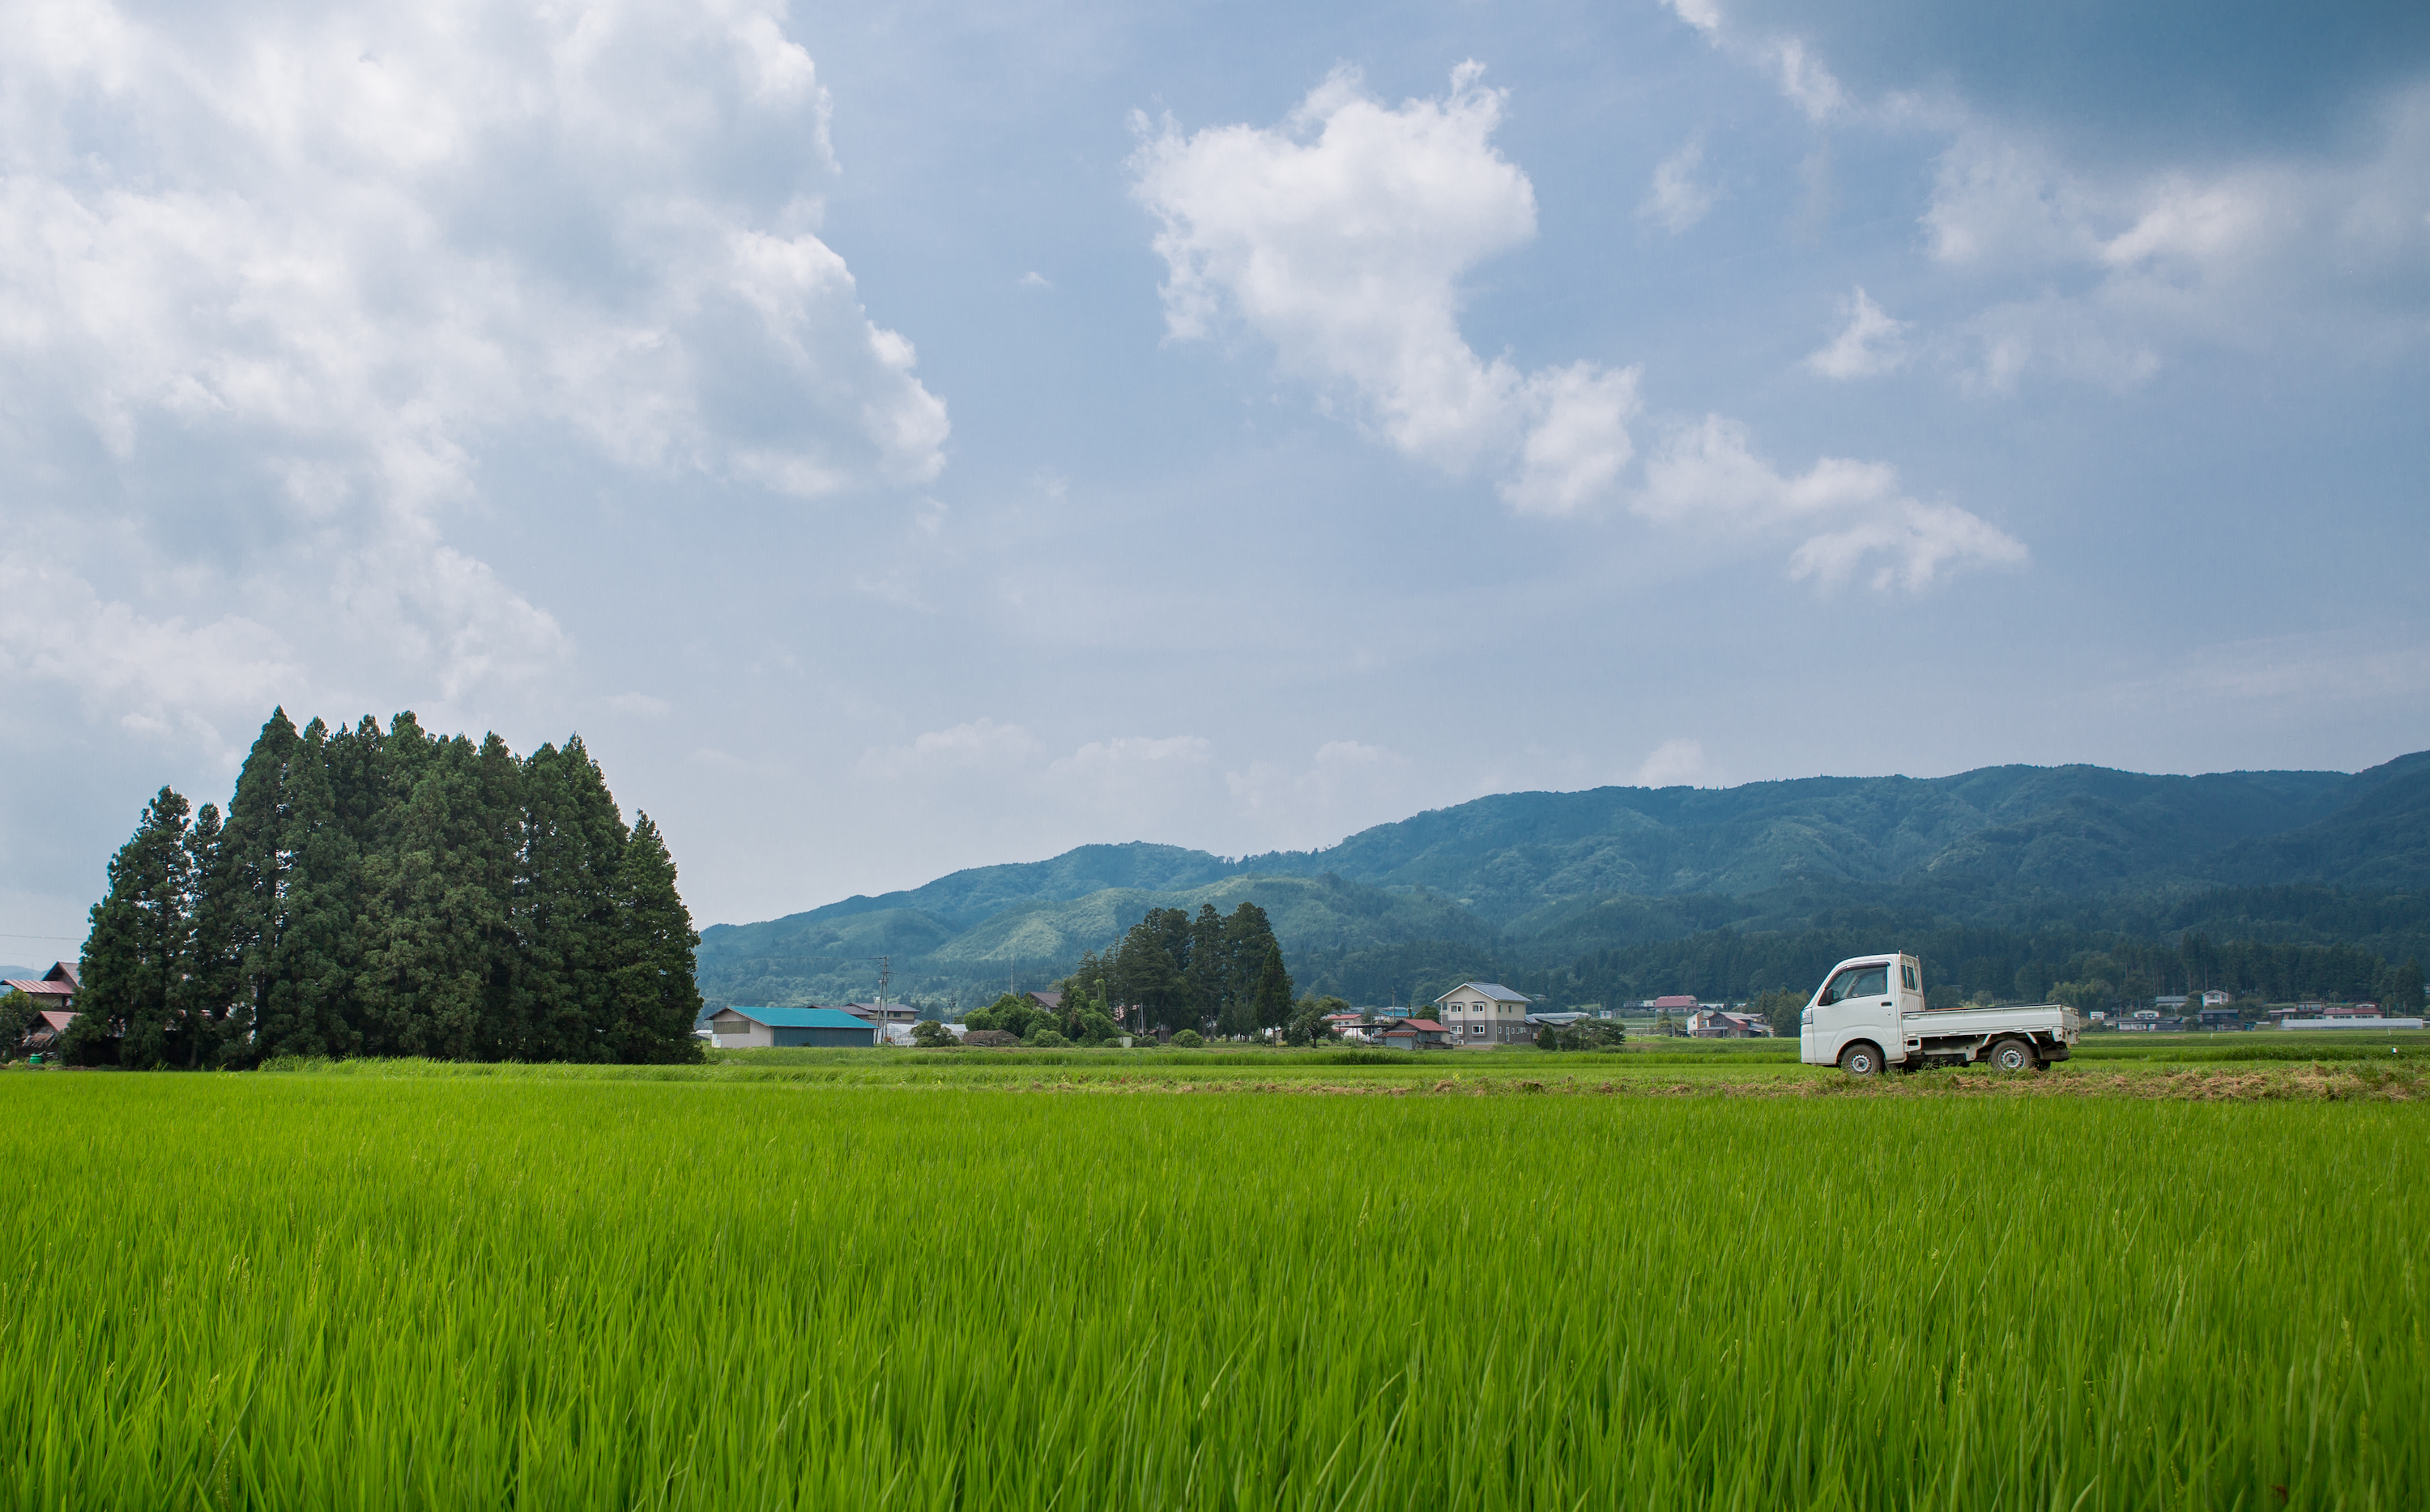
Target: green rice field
[{"x": 907, "y": 1282}]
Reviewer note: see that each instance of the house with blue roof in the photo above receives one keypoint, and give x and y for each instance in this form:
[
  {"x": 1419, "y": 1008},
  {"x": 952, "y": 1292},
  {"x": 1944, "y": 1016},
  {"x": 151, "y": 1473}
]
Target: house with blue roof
[{"x": 761, "y": 1028}]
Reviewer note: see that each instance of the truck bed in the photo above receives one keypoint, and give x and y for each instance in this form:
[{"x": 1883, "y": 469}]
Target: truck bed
[{"x": 1961, "y": 1032}]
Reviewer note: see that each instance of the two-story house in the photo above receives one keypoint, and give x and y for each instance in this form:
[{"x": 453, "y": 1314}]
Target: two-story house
[{"x": 1483, "y": 1014}]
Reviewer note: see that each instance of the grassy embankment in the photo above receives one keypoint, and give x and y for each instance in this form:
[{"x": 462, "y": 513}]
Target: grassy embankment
[
  {"x": 2343, "y": 1063},
  {"x": 469, "y": 1290}
]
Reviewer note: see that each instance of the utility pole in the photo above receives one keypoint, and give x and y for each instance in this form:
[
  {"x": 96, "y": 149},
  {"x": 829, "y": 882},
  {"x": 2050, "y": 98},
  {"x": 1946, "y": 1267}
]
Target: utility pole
[{"x": 885, "y": 973}]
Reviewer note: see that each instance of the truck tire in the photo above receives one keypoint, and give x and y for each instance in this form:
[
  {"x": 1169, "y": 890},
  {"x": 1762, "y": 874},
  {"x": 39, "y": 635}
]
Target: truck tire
[
  {"x": 2014, "y": 1055},
  {"x": 1863, "y": 1059}
]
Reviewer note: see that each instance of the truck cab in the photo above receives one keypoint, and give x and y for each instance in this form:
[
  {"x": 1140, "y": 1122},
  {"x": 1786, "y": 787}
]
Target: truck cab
[{"x": 1859, "y": 1009}]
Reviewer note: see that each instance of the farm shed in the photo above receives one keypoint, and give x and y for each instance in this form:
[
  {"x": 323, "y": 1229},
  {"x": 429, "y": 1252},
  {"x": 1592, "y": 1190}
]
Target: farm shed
[
  {"x": 1414, "y": 1034},
  {"x": 754, "y": 1028}
]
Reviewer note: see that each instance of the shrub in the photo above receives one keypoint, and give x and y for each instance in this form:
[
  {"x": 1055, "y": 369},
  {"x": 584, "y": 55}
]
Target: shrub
[
  {"x": 1044, "y": 1038},
  {"x": 930, "y": 1035},
  {"x": 1587, "y": 1034},
  {"x": 1015, "y": 1016},
  {"x": 1188, "y": 1039}
]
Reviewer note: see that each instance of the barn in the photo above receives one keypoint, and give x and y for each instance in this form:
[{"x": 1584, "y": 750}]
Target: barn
[{"x": 759, "y": 1028}]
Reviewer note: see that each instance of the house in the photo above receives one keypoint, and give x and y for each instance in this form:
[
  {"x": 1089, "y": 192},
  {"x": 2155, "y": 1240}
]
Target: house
[
  {"x": 1482, "y": 1014},
  {"x": 1346, "y": 1025},
  {"x": 2175, "y": 1005},
  {"x": 2350, "y": 1010},
  {"x": 1414, "y": 1034},
  {"x": 42, "y": 1034},
  {"x": 740, "y": 1028},
  {"x": 891, "y": 1013},
  {"x": 1720, "y": 1023},
  {"x": 2216, "y": 998},
  {"x": 1677, "y": 1003},
  {"x": 2221, "y": 1019},
  {"x": 1051, "y": 1001},
  {"x": 53, "y": 991}
]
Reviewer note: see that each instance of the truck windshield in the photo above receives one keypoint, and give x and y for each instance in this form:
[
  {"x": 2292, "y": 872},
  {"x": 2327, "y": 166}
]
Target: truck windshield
[{"x": 1858, "y": 982}]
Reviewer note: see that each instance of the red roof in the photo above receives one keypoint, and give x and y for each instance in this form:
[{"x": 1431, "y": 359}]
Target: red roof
[
  {"x": 58, "y": 1020},
  {"x": 44, "y": 988},
  {"x": 1675, "y": 1003}
]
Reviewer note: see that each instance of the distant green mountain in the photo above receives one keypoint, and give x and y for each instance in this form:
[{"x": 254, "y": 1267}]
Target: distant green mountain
[
  {"x": 1538, "y": 882},
  {"x": 809, "y": 957},
  {"x": 2380, "y": 839},
  {"x": 2064, "y": 828}
]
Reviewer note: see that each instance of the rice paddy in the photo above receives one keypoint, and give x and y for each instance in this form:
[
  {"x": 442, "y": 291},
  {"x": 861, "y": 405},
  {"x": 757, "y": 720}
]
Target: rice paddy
[{"x": 765, "y": 1286}]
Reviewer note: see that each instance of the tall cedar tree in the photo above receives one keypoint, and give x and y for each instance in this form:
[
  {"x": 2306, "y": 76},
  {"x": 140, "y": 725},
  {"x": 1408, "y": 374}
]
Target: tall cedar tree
[
  {"x": 657, "y": 1001},
  {"x": 385, "y": 892},
  {"x": 130, "y": 999},
  {"x": 573, "y": 842},
  {"x": 1214, "y": 972}
]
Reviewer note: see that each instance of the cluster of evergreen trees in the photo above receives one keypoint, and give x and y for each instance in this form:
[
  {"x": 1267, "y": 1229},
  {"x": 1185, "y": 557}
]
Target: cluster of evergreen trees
[
  {"x": 375, "y": 893},
  {"x": 1217, "y": 974}
]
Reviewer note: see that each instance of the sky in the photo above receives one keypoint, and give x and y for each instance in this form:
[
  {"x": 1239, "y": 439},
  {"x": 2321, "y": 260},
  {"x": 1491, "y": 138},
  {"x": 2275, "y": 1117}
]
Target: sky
[{"x": 905, "y": 437}]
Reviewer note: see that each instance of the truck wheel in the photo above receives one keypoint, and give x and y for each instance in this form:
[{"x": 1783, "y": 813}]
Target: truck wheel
[
  {"x": 1860, "y": 1059},
  {"x": 2014, "y": 1055}
]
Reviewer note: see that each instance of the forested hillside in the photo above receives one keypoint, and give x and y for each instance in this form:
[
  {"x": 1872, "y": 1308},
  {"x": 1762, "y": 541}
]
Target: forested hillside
[{"x": 2023, "y": 878}]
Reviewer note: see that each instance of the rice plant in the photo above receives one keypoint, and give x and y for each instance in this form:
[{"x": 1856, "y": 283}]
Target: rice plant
[{"x": 553, "y": 1292}]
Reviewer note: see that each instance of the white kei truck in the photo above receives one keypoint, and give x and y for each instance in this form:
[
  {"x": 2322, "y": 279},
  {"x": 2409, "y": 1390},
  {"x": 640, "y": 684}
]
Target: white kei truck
[{"x": 1870, "y": 1013}]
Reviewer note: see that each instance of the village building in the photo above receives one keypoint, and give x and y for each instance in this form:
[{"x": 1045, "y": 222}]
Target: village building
[
  {"x": 1413, "y": 1034},
  {"x": 1483, "y": 1014},
  {"x": 53, "y": 991},
  {"x": 891, "y": 1013},
  {"x": 740, "y": 1028},
  {"x": 1721, "y": 1023}
]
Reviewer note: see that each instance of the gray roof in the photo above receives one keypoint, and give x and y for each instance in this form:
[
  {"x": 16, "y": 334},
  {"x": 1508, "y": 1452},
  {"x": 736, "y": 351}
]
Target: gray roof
[{"x": 1494, "y": 991}]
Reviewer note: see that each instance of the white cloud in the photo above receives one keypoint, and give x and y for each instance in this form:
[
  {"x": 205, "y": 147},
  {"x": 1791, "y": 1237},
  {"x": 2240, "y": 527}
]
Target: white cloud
[
  {"x": 1577, "y": 436},
  {"x": 1346, "y": 786},
  {"x": 641, "y": 704},
  {"x": 326, "y": 263},
  {"x": 1704, "y": 15},
  {"x": 1800, "y": 76},
  {"x": 981, "y": 744},
  {"x": 1340, "y": 237},
  {"x": 2130, "y": 267},
  {"x": 1677, "y": 201},
  {"x": 1804, "y": 80},
  {"x": 156, "y": 677},
  {"x": 1677, "y": 762},
  {"x": 1870, "y": 342},
  {"x": 1706, "y": 476}
]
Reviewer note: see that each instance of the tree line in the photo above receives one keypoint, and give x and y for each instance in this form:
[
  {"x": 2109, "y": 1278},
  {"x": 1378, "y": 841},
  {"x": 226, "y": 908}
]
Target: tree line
[
  {"x": 389, "y": 892},
  {"x": 1215, "y": 973},
  {"x": 2089, "y": 968}
]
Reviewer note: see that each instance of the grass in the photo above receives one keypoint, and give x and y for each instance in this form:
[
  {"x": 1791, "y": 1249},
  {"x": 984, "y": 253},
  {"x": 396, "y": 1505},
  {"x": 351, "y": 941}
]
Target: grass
[{"x": 383, "y": 1288}]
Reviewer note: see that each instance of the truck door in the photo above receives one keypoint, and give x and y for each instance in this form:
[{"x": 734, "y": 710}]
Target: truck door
[{"x": 1858, "y": 1003}]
